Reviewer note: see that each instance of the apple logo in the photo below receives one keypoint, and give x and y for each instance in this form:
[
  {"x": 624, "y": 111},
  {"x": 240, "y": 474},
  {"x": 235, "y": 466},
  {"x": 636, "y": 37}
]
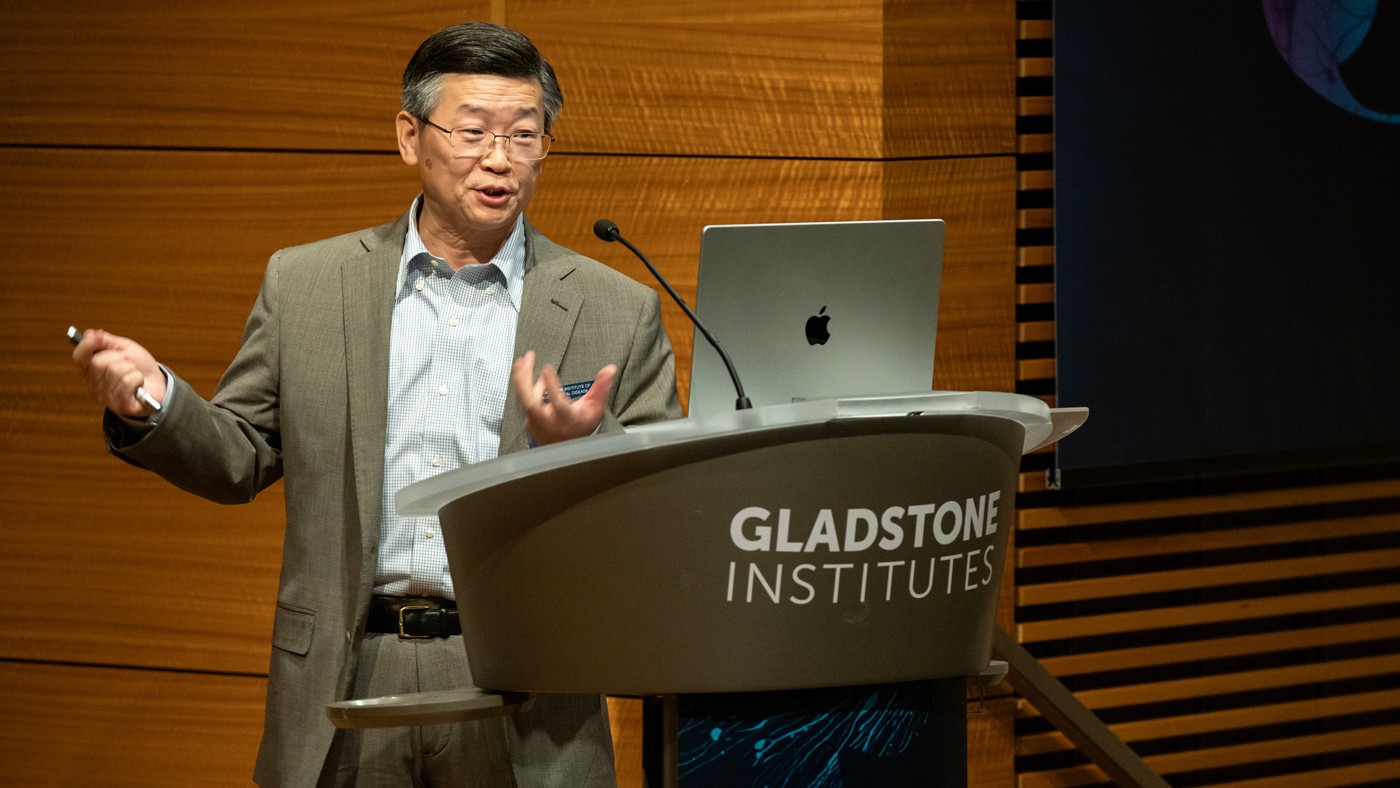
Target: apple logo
[{"x": 816, "y": 328}]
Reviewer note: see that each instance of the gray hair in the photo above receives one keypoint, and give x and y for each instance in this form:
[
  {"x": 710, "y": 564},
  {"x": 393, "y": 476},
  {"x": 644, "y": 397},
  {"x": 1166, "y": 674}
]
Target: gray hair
[{"x": 476, "y": 48}]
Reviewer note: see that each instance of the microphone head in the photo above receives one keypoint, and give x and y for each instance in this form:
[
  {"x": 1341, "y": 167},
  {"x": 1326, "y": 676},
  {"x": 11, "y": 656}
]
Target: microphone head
[{"x": 606, "y": 230}]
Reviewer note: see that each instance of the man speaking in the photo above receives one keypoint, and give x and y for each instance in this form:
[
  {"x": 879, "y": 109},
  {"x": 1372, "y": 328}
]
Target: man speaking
[{"x": 379, "y": 358}]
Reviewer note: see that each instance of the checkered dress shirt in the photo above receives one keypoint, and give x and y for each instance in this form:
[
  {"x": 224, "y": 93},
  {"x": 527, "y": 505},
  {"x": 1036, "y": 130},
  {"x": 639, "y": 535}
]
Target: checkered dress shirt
[{"x": 452, "y": 342}]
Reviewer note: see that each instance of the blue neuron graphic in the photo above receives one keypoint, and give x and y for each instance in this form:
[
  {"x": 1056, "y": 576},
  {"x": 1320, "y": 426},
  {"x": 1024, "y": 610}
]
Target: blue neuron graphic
[
  {"x": 804, "y": 749},
  {"x": 1348, "y": 51}
]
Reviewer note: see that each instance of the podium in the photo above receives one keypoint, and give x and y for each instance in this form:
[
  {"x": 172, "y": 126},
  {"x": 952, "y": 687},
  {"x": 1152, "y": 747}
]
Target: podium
[{"x": 798, "y": 559}]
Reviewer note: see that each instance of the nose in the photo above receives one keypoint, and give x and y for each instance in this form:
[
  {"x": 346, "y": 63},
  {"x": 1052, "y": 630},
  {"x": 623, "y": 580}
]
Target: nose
[{"x": 496, "y": 158}]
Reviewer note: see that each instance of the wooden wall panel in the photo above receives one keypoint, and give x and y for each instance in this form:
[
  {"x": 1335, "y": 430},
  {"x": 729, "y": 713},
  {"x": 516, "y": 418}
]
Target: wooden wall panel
[
  {"x": 67, "y": 726},
  {"x": 790, "y": 79},
  {"x": 948, "y": 77},
  {"x": 316, "y": 75}
]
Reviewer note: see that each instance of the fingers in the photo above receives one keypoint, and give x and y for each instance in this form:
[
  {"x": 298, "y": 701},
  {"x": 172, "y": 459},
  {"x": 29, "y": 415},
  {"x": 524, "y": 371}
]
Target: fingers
[
  {"x": 114, "y": 367},
  {"x": 550, "y": 414},
  {"x": 549, "y": 378},
  {"x": 522, "y": 377},
  {"x": 602, "y": 386}
]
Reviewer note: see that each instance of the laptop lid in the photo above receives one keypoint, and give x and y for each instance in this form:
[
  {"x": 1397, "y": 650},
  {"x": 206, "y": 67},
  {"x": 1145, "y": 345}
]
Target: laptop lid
[{"x": 816, "y": 310}]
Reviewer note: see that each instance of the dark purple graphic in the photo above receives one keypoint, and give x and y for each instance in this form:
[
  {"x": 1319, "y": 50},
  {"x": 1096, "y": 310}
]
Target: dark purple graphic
[{"x": 1346, "y": 50}]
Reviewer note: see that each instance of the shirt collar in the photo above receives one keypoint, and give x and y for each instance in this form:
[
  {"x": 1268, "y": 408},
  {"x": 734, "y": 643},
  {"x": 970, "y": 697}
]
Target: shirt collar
[{"x": 510, "y": 260}]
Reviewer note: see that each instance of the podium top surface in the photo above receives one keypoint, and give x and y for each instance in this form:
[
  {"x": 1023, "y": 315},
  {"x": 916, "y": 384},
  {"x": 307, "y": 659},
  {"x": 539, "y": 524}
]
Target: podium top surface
[{"x": 1043, "y": 425}]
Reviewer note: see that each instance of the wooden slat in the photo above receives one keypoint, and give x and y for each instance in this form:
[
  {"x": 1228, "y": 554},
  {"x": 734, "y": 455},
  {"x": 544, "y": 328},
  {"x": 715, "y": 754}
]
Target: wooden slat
[
  {"x": 1276, "y": 749},
  {"x": 1035, "y": 28},
  {"x": 1234, "y": 755},
  {"x": 1193, "y": 541},
  {"x": 1035, "y": 67},
  {"x": 1027, "y": 256},
  {"x": 1031, "y": 180},
  {"x": 1227, "y": 719},
  {"x": 1206, "y": 504},
  {"x": 1035, "y": 369},
  {"x": 1030, "y": 481},
  {"x": 1213, "y": 612},
  {"x": 1219, "y": 648},
  {"x": 1036, "y": 331},
  {"x": 1355, "y": 774},
  {"x": 1035, "y": 143},
  {"x": 66, "y": 726},
  {"x": 1034, "y": 105},
  {"x": 1244, "y": 681},
  {"x": 1035, "y": 294},
  {"x": 1205, "y": 577},
  {"x": 1035, "y": 218}
]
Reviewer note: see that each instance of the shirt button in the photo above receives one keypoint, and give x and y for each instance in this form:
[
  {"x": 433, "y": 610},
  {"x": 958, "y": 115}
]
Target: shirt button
[
  {"x": 427, "y": 534},
  {"x": 452, "y": 322},
  {"x": 418, "y": 285},
  {"x": 491, "y": 290},
  {"x": 442, "y": 391},
  {"x": 437, "y": 462}
]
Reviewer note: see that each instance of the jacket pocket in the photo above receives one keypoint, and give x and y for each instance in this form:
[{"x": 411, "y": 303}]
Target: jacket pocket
[{"x": 292, "y": 629}]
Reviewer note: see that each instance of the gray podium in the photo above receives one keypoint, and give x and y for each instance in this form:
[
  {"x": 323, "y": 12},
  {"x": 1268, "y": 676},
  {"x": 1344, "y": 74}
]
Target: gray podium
[{"x": 836, "y": 560}]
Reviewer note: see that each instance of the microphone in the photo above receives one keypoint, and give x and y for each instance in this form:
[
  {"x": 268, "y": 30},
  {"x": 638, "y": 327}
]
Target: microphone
[{"x": 607, "y": 231}]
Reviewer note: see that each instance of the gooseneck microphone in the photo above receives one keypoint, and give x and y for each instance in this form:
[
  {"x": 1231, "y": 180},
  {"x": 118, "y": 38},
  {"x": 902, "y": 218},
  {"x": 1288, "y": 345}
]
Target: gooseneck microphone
[{"x": 607, "y": 231}]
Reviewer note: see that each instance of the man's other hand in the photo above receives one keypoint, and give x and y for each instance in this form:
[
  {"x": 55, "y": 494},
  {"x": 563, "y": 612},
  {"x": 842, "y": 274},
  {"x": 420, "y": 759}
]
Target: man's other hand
[{"x": 550, "y": 415}]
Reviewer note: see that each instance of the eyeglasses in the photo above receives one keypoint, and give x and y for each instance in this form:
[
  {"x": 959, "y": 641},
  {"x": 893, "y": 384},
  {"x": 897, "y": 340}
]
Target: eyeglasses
[{"x": 468, "y": 142}]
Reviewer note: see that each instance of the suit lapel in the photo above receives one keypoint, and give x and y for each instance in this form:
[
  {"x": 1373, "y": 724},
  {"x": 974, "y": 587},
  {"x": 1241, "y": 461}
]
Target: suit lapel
[
  {"x": 549, "y": 307},
  {"x": 367, "y": 288}
]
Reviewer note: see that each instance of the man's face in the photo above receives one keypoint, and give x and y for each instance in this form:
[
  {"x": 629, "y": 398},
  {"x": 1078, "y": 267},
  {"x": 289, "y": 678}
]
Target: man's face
[{"x": 480, "y": 197}]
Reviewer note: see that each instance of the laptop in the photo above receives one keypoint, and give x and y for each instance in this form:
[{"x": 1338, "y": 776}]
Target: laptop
[{"x": 816, "y": 310}]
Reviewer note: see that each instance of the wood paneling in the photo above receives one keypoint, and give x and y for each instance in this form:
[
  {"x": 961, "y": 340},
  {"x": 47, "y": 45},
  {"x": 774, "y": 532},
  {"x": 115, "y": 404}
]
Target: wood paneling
[
  {"x": 948, "y": 78},
  {"x": 69, "y": 725},
  {"x": 867, "y": 79},
  {"x": 1187, "y": 506},
  {"x": 989, "y": 739},
  {"x": 864, "y": 79},
  {"x": 317, "y": 75}
]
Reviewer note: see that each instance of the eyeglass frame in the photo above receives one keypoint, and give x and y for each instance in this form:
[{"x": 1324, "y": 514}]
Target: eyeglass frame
[{"x": 494, "y": 136}]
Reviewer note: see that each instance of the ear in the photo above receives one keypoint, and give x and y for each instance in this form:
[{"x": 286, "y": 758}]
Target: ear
[{"x": 407, "y": 129}]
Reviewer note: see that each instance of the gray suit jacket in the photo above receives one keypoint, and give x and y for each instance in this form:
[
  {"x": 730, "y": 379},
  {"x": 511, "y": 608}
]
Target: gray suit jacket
[{"x": 306, "y": 398}]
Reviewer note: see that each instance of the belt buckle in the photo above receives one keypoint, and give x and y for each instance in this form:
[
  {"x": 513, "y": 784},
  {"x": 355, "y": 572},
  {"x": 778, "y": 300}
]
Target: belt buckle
[{"x": 405, "y": 635}]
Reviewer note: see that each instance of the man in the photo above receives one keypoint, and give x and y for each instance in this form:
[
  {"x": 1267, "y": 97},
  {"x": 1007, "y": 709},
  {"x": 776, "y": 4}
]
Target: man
[{"x": 378, "y": 358}]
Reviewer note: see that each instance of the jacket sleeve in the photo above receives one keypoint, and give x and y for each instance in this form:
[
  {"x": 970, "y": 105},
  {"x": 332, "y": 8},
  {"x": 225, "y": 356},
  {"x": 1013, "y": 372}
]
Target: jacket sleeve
[{"x": 645, "y": 388}]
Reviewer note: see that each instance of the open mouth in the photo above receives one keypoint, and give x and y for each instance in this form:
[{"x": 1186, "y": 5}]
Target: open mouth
[{"x": 494, "y": 192}]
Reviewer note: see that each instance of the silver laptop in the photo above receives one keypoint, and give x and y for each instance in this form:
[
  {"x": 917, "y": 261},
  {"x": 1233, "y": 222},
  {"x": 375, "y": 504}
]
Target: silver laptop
[{"x": 816, "y": 310}]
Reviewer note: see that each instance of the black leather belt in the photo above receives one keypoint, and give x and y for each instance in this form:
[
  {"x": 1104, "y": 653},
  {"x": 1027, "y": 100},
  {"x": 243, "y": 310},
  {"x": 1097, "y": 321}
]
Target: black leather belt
[{"x": 413, "y": 617}]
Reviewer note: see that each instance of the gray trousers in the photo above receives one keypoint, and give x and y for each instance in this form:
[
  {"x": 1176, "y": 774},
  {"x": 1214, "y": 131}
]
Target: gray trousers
[{"x": 563, "y": 740}]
